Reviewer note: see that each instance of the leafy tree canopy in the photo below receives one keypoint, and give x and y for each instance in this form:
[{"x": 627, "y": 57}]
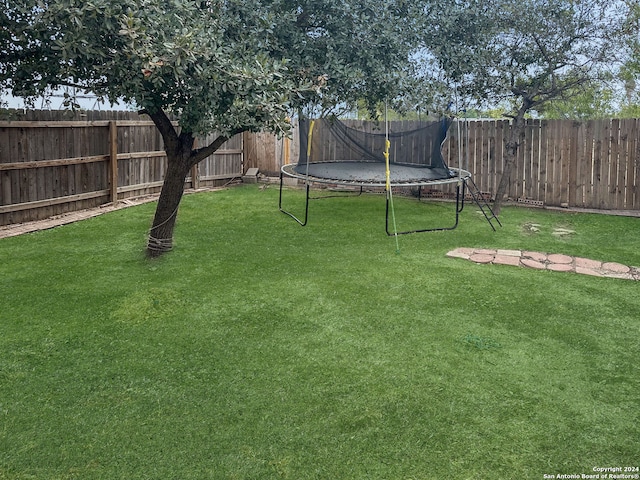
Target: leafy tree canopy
[
  {"x": 223, "y": 65},
  {"x": 531, "y": 50},
  {"x": 189, "y": 58}
]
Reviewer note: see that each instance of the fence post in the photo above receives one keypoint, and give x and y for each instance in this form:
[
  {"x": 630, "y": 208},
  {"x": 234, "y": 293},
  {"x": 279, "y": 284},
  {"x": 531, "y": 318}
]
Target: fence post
[
  {"x": 195, "y": 170},
  {"x": 195, "y": 177},
  {"x": 113, "y": 161}
]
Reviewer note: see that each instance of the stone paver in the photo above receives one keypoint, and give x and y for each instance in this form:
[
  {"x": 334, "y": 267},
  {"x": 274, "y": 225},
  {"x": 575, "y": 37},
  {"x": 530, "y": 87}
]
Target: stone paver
[
  {"x": 502, "y": 259},
  {"x": 615, "y": 267},
  {"x": 588, "y": 271},
  {"x": 555, "y": 262},
  {"x": 561, "y": 267},
  {"x": 459, "y": 253},
  {"x": 528, "y": 262},
  {"x": 485, "y": 251},
  {"x": 538, "y": 256},
  {"x": 587, "y": 263},
  {"x": 481, "y": 258},
  {"x": 510, "y": 253},
  {"x": 558, "y": 258}
]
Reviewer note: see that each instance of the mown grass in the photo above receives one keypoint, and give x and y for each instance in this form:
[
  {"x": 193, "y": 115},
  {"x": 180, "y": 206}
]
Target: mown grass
[{"x": 260, "y": 349}]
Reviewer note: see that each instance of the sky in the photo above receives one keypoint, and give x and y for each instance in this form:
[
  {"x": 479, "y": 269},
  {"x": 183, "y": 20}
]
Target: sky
[{"x": 56, "y": 102}]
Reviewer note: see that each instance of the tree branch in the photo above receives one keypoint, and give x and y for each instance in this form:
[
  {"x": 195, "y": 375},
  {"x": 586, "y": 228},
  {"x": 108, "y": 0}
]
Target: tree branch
[
  {"x": 166, "y": 129},
  {"x": 200, "y": 154}
]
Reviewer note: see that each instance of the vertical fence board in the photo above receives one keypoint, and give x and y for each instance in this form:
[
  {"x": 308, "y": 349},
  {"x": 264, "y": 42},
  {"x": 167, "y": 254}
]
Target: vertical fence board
[
  {"x": 636, "y": 168},
  {"x": 72, "y": 151},
  {"x": 613, "y": 191},
  {"x": 579, "y": 170},
  {"x": 476, "y": 153},
  {"x": 551, "y": 162},
  {"x": 5, "y": 157},
  {"x": 542, "y": 162},
  {"x": 572, "y": 177},
  {"x": 558, "y": 163},
  {"x": 588, "y": 163},
  {"x": 527, "y": 166},
  {"x": 535, "y": 161},
  {"x": 607, "y": 139},
  {"x": 113, "y": 161},
  {"x": 484, "y": 155},
  {"x": 623, "y": 153},
  {"x": 20, "y": 154},
  {"x": 491, "y": 158},
  {"x": 39, "y": 152},
  {"x": 565, "y": 133},
  {"x": 502, "y": 125},
  {"x": 599, "y": 163},
  {"x": 518, "y": 181}
]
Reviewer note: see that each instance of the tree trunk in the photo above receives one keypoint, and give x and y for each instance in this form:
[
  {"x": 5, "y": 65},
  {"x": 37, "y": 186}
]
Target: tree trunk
[
  {"x": 181, "y": 157},
  {"x": 512, "y": 144},
  {"x": 161, "y": 233}
]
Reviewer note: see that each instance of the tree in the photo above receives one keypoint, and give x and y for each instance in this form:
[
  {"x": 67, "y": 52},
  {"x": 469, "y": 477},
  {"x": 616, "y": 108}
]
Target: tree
[
  {"x": 630, "y": 71},
  {"x": 524, "y": 53},
  {"x": 587, "y": 102},
  {"x": 224, "y": 66}
]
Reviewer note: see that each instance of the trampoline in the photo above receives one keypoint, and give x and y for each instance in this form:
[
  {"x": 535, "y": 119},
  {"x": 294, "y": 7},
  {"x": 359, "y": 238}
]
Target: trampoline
[
  {"x": 360, "y": 155},
  {"x": 369, "y": 174}
]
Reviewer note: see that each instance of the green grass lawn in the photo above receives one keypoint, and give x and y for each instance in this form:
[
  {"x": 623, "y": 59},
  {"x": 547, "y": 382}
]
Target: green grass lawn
[{"x": 259, "y": 349}]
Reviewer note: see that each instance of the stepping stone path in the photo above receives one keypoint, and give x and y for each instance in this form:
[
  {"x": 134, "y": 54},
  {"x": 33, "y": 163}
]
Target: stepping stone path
[{"x": 547, "y": 261}]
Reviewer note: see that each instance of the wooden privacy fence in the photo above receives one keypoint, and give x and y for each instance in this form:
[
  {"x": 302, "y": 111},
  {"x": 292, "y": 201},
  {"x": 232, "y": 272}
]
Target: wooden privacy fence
[
  {"x": 590, "y": 164},
  {"x": 53, "y": 163}
]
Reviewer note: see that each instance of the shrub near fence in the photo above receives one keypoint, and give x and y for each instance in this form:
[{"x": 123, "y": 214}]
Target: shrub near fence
[{"x": 53, "y": 162}]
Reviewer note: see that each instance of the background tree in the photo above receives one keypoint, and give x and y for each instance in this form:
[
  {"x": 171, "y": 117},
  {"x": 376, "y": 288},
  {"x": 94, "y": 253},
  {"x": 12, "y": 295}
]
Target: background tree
[
  {"x": 224, "y": 66},
  {"x": 630, "y": 71},
  {"x": 522, "y": 53},
  {"x": 586, "y": 102}
]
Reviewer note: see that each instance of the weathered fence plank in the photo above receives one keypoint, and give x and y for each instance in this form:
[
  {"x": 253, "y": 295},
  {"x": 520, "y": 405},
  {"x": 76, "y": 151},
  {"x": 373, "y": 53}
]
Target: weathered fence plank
[
  {"x": 627, "y": 135},
  {"x": 636, "y": 169},
  {"x": 543, "y": 178},
  {"x": 598, "y": 148}
]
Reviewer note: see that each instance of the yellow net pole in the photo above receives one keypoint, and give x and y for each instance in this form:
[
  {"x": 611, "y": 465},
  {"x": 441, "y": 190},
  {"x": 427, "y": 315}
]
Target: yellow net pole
[
  {"x": 387, "y": 147},
  {"x": 309, "y": 138}
]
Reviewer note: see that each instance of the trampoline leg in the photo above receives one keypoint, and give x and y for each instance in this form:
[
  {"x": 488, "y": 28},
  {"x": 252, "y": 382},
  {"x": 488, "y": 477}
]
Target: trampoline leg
[
  {"x": 306, "y": 205},
  {"x": 459, "y": 206}
]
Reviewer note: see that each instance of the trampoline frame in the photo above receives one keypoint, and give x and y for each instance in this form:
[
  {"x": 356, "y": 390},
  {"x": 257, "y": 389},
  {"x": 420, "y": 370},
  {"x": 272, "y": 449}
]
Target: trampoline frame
[{"x": 460, "y": 177}]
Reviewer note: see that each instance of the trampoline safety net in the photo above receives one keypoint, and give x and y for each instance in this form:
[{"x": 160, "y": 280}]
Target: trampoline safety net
[{"x": 354, "y": 150}]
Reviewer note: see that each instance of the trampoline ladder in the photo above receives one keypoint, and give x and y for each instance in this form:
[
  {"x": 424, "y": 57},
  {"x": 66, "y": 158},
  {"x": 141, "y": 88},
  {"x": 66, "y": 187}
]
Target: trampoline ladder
[{"x": 481, "y": 201}]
